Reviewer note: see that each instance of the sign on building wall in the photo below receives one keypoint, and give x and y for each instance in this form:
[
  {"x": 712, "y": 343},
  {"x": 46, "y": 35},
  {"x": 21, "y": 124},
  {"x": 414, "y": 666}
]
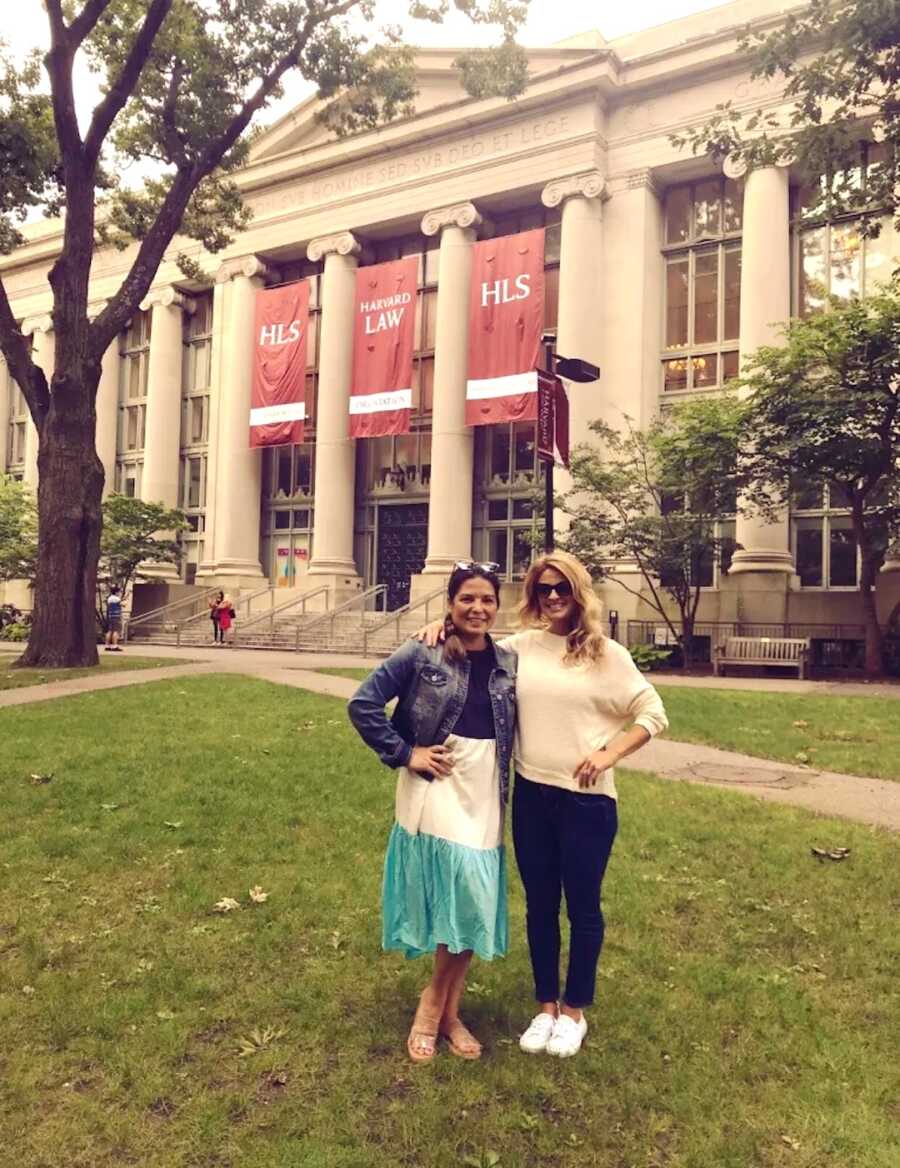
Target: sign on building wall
[
  {"x": 506, "y": 320},
  {"x": 383, "y": 341},
  {"x": 278, "y": 402}
]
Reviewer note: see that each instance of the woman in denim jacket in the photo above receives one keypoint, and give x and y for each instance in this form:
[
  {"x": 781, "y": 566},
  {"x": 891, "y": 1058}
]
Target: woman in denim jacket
[{"x": 451, "y": 737}]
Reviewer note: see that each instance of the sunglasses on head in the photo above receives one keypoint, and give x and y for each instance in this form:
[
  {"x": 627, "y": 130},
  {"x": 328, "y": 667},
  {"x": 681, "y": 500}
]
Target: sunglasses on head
[
  {"x": 468, "y": 565},
  {"x": 562, "y": 588}
]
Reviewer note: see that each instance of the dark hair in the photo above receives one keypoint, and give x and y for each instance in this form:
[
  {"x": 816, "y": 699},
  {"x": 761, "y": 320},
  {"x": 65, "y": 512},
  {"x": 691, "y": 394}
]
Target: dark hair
[{"x": 453, "y": 646}]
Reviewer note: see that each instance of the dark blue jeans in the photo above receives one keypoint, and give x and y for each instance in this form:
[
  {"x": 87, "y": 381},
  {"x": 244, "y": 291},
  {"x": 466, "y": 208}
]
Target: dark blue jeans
[{"x": 563, "y": 841}]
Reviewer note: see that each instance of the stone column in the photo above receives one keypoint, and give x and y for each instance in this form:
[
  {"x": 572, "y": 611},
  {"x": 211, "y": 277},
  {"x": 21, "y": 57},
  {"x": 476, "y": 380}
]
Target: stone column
[
  {"x": 450, "y": 496},
  {"x": 233, "y": 484},
  {"x": 41, "y": 328},
  {"x": 107, "y": 407},
  {"x": 332, "y": 559},
  {"x": 765, "y": 305},
  {"x": 581, "y": 287}
]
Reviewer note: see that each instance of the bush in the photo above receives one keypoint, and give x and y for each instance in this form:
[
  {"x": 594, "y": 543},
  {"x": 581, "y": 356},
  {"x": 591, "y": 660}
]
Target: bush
[
  {"x": 647, "y": 657},
  {"x": 15, "y": 631}
]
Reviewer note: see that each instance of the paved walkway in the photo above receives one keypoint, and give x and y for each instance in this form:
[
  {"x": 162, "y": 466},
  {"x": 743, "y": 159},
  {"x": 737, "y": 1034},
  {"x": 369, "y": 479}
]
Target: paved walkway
[{"x": 871, "y": 801}]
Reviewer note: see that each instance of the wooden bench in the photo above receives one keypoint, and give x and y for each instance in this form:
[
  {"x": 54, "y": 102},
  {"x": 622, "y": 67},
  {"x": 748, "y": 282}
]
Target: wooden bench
[{"x": 789, "y": 652}]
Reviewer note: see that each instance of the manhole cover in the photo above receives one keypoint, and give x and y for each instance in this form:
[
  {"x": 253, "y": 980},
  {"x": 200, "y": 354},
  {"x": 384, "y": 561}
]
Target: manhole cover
[{"x": 744, "y": 776}]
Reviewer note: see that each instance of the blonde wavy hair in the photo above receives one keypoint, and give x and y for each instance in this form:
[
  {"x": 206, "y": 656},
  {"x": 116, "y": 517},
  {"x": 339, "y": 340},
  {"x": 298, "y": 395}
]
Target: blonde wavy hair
[{"x": 587, "y": 640}]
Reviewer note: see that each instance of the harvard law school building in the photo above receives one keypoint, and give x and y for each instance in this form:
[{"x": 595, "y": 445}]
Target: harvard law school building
[{"x": 658, "y": 267}]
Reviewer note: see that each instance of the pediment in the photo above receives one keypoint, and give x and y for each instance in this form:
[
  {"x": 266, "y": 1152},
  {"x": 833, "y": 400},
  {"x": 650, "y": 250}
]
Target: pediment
[{"x": 438, "y": 83}]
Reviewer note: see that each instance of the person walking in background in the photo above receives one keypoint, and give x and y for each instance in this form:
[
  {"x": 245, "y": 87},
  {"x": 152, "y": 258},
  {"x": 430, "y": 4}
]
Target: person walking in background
[
  {"x": 113, "y": 620},
  {"x": 214, "y": 604},
  {"x": 444, "y": 886},
  {"x": 582, "y": 706},
  {"x": 226, "y": 616}
]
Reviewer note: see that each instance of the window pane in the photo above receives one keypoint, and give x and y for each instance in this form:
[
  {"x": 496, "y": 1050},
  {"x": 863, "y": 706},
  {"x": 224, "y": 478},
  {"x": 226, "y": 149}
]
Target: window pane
[
  {"x": 813, "y": 276},
  {"x": 497, "y": 548},
  {"x": 499, "y": 455},
  {"x": 805, "y": 496},
  {"x": 312, "y": 341},
  {"x": 134, "y": 377},
  {"x": 432, "y": 262},
  {"x": 678, "y": 211},
  {"x": 429, "y": 309},
  {"x": 194, "y": 467},
  {"x": 301, "y": 518},
  {"x": 552, "y": 240},
  {"x": 522, "y": 508},
  {"x": 675, "y": 374},
  {"x": 809, "y": 553},
  {"x": 727, "y": 545},
  {"x": 706, "y": 298},
  {"x": 705, "y": 370},
  {"x": 707, "y": 209},
  {"x": 132, "y": 428},
  {"x": 551, "y": 297},
  {"x": 842, "y": 554},
  {"x": 846, "y": 246},
  {"x": 198, "y": 414},
  {"x": 733, "y": 211},
  {"x": 426, "y": 385},
  {"x": 730, "y": 366},
  {"x": 525, "y": 443},
  {"x": 283, "y": 471},
  {"x": 303, "y": 470},
  {"x": 732, "y": 306},
  {"x": 282, "y": 520},
  {"x": 882, "y": 256},
  {"x": 522, "y": 552},
  {"x": 498, "y": 508},
  {"x": 702, "y": 569},
  {"x": 677, "y": 304}
]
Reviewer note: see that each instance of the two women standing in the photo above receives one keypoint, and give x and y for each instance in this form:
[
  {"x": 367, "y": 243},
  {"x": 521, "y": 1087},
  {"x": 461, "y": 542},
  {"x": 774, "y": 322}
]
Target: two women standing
[{"x": 582, "y": 706}]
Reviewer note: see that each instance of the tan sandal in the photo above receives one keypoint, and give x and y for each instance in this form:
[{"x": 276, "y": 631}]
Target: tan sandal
[
  {"x": 461, "y": 1041},
  {"x": 421, "y": 1042}
]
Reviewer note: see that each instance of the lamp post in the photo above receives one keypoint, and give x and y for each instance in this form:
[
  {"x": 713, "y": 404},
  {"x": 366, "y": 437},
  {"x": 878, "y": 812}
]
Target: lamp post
[{"x": 552, "y": 401}]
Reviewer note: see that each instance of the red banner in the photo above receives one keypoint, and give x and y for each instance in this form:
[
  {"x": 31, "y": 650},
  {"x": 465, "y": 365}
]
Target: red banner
[
  {"x": 278, "y": 402},
  {"x": 383, "y": 341},
  {"x": 506, "y": 319}
]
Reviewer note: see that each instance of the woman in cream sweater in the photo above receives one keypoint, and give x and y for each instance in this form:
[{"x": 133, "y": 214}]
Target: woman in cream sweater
[{"x": 582, "y": 706}]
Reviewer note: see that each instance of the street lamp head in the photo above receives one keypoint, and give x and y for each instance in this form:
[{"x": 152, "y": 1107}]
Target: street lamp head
[{"x": 576, "y": 369}]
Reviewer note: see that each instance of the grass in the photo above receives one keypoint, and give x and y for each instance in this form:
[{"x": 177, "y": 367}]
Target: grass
[
  {"x": 19, "y": 678},
  {"x": 747, "y": 1013},
  {"x": 852, "y": 735}
]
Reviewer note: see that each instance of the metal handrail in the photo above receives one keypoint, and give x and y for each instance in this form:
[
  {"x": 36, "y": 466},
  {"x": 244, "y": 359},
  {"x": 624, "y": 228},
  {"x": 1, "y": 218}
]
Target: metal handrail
[
  {"x": 398, "y": 614},
  {"x": 329, "y": 616},
  {"x": 169, "y": 608},
  {"x": 277, "y": 610},
  {"x": 239, "y": 601}
]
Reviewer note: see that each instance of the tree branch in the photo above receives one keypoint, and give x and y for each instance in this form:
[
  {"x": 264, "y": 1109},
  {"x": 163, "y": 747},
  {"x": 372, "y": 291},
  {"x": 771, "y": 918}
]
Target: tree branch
[
  {"x": 59, "y": 67},
  {"x": 108, "y": 109},
  {"x": 83, "y": 24},
  {"x": 29, "y": 377}
]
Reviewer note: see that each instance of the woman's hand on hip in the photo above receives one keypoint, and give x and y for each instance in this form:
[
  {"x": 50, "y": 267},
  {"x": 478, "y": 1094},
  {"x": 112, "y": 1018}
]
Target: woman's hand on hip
[
  {"x": 432, "y": 633},
  {"x": 591, "y": 768},
  {"x": 434, "y": 760}
]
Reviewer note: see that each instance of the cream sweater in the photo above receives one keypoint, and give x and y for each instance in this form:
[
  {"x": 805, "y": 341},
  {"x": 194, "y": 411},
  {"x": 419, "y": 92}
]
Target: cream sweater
[{"x": 568, "y": 711}]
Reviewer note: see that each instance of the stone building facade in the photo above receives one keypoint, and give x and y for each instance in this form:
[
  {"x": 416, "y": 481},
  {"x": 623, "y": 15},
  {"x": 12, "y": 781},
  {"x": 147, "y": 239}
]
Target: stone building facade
[{"x": 660, "y": 268}]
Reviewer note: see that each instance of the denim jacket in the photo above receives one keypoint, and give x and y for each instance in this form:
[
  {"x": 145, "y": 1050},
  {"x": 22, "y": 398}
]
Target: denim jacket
[{"x": 432, "y": 693}]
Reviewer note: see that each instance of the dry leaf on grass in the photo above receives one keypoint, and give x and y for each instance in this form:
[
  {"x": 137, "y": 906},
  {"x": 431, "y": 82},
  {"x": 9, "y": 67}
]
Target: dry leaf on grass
[
  {"x": 110, "y": 806},
  {"x": 257, "y": 895},
  {"x": 37, "y": 780},
  {"x": 258, "y": 1040},
  {"x": 226, "y": 905},
  {"x": 173, "y": 823},
  {"x": 790, "y": 1142}
]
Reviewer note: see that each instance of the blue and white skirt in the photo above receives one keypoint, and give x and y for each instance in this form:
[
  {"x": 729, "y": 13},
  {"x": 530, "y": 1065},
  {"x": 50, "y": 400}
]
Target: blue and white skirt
[{"x": 445, "y": 868}]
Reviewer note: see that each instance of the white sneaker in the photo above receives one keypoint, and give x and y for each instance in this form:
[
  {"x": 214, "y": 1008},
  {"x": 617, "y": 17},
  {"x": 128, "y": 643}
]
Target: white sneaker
[
  {"x": 538, "y": 1034},
  {"x": 567, "y": 1036}
]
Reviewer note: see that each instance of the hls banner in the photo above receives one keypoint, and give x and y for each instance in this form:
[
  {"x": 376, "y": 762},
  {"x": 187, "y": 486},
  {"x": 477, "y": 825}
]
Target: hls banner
[
  {"x": 506, "y": 319},
  {"x": 383, "y": 340},
  {"x": 278, "y": 401}
]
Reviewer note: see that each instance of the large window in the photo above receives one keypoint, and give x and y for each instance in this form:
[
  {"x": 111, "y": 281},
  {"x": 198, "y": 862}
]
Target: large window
[
  {"x": 196, "y": 375},
  {"x": 17, "y": 425},
  {"x": 508, "y": 472},
  {"x": 703, "y": 285},
  {"x": 134, "y": 351},
  {"x": 824, "y": 546}
]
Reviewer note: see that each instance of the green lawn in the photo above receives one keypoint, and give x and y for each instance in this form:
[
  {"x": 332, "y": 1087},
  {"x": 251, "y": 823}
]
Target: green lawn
[
  {"x": 854, "y": 735},
  {"x": 747, "y": 1015},
  {"x": 109, "y": 663}
]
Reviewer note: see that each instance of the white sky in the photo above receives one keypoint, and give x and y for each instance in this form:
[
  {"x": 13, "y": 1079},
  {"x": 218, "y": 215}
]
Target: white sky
[{"x": 23, "y": 24}]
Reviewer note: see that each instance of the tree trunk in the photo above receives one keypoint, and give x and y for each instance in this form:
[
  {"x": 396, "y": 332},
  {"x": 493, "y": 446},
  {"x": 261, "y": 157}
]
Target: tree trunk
[
  {"x": 874, "y": 639},
  {"x": 687, "y": 641},
  {"x": 70, "y": 488}
]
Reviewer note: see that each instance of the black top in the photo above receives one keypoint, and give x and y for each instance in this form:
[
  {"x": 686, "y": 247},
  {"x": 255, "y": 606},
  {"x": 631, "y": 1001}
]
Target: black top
[{"x": 477, "y": 718}]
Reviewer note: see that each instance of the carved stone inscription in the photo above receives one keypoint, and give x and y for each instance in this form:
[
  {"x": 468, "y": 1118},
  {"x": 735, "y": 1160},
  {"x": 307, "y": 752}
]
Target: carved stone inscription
[{"x": 344, "y": 184}]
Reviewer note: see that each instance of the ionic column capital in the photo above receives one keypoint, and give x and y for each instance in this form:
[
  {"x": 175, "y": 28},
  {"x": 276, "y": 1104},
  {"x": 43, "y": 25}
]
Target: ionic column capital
[
  {"x": 736, "y": 167},
  {"x": 342, "y": 243},
  {"x": 459, "y": 215},
  {"x": 250, "y": 267},
  {"x": 589, "y": 185},
  {"x": 37, "y": 324},
  {"x": 168, "y": 297}
]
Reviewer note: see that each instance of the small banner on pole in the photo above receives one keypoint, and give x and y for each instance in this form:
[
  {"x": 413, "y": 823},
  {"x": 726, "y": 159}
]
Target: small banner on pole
[
  {"x": 278, "y": 401},
  {"x": 506, "y": 319},
  {"x": 552, "y": 419},
  {"x": 383, "y": 341}
]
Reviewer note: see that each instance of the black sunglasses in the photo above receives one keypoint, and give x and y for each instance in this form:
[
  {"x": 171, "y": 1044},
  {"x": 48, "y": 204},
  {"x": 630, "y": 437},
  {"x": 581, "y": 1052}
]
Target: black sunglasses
[
  {"x": 562, "y": 589},
  {"x": 468, "y": 565}
]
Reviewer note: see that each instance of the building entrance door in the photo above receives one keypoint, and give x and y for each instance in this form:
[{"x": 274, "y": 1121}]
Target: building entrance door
[{"x": 402, "y": 545}]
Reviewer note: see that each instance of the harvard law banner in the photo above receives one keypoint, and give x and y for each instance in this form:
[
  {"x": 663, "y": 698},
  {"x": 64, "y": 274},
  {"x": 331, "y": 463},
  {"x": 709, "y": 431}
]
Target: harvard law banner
[
  {"x": 383, "y": 339},
  {"x": 506, "y": 319},
  {"x": 278, "y": 402}
]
